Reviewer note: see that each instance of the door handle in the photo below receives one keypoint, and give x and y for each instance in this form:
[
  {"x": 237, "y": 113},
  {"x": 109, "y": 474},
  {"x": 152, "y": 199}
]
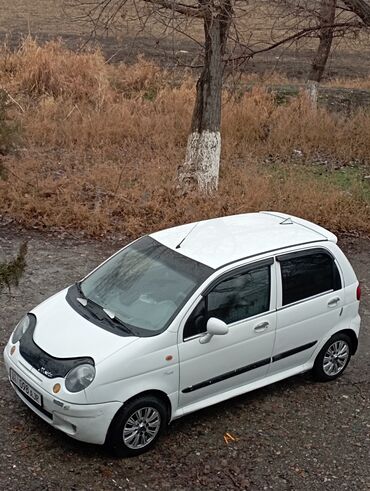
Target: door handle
[
  {"x": 261, "y": 327},
  {"x": 333, "y": 302}
]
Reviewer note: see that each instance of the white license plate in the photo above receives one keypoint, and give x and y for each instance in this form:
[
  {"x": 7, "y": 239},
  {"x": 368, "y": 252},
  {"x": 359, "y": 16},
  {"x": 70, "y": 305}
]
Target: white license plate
[{"x": 24, "y": 387}]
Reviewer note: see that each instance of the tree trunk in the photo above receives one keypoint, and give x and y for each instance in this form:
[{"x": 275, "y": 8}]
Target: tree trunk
[
  {"x": 200, "y": 170},
  {"x": 361, "y": 8},
  {"x": 326, "y": 19}
]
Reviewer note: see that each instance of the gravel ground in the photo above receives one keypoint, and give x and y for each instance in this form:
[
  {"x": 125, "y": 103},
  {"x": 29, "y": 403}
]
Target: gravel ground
[{"x": 292, "y": 435}]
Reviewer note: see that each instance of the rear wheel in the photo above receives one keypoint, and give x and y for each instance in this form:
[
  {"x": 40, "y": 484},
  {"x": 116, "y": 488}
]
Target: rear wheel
[
  {"x": 333, "y": 358},
  {"x": 137, "y": 426}
]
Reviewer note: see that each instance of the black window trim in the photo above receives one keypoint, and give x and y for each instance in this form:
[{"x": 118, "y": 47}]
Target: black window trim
[{"x": 301, "y": 253}]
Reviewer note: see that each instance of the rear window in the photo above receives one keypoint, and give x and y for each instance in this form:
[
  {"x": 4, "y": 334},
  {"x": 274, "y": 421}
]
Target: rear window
[{"x": 307, "y": 275}]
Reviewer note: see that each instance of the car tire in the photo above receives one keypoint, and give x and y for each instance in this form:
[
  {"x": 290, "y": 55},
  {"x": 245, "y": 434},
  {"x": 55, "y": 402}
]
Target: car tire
[
  {"x": 333, "y": 358},
  {"x": 137, "y": 426}
]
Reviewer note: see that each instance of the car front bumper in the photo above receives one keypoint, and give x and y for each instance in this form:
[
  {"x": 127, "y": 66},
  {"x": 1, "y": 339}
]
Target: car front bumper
[{"x": 85, "y": 422}]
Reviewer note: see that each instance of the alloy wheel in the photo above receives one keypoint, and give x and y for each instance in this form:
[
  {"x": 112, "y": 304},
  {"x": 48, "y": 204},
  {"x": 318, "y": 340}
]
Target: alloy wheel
[
  {"x": 335, "y": 358},
  {"x": 141, "y": 428}
]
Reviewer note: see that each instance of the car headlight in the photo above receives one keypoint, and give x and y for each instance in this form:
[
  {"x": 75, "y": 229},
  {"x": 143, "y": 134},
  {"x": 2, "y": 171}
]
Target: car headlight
[
  {"x": 21, "y": 328},
  {"x": 80, "y": 377}
]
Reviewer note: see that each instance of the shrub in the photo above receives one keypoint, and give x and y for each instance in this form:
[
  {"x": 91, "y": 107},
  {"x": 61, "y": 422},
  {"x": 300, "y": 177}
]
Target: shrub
[
  {"x": 102, "y": 149},
  {"x": 12, "y": 271}
]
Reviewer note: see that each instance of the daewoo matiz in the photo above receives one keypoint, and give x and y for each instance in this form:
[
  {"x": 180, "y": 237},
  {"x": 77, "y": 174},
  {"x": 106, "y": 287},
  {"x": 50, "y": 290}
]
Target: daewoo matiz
[{"x": 182, "y": 319}]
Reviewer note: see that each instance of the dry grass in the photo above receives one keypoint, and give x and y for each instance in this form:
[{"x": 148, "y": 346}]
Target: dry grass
[
  {"x": 274, "y": 78},
  {"x": 356, "y": 83},
  {"x": 36, "y": 71},
  {"x": 102, "y": 144}
]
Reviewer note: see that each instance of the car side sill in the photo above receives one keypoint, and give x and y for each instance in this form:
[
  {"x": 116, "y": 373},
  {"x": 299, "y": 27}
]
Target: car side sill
[{"x": 257, "y": 384}]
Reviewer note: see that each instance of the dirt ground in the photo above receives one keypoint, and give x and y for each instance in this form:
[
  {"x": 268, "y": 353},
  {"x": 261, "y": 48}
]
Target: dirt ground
[
  {"x": 292, "y": 435},
  {"x": 291, "y": 62}
]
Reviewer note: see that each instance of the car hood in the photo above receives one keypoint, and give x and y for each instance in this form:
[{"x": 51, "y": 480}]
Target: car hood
[{"x": 63, "y": 333}]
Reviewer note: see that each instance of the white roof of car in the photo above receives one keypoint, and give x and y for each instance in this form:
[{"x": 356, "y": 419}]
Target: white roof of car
[{"x": 220, "y": 241}]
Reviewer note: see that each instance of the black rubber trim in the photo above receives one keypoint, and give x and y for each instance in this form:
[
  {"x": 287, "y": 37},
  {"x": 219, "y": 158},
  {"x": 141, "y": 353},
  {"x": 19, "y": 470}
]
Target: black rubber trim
[
  {"x": 238, "y": 271},
  {"x": 293, "y": 351},
  {"x": 47, "y": 365},
  {"x": 227, "y": 375},
  {"x": 248, "y": 368}
]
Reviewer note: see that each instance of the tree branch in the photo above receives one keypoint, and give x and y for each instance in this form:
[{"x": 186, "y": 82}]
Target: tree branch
[
  {"x": 360, "y": 8},
  {"x": 294, "y": 37},
  {"x": 180, "y": 8}
]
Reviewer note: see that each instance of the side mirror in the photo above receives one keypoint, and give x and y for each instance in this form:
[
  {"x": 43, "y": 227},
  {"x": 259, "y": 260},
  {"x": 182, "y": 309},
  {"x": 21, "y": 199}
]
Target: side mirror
[{"x": 215, "y": 327}]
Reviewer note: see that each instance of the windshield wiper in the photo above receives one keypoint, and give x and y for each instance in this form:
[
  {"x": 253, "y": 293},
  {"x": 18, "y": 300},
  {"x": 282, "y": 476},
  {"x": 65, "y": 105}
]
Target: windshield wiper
[
  {"x": 108, "y": 314},
  {"x": 113, "y": 320},
  {"x": 112, "y": 316}
]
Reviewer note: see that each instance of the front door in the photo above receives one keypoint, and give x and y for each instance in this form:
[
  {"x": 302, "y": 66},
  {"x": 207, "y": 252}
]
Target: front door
[{"x": 245, "y": 300}]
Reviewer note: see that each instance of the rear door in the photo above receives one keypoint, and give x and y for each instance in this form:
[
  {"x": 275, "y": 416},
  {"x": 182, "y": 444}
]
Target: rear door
[{"x": 310, "y": 301}]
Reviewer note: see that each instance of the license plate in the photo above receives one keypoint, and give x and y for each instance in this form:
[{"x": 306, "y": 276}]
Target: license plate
[{"x": 25, "y": 387}]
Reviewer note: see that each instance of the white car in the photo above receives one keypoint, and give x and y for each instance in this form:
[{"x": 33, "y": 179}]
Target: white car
[{"x": 182, "y": 319}]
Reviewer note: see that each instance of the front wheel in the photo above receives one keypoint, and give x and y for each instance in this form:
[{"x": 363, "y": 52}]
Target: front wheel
[
  {"x": 137, "y": 426},
  {"x": 333, "y": 358}
]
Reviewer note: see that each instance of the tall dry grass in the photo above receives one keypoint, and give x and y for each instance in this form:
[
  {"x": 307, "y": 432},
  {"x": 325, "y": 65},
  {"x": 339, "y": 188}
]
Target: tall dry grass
[{"x": 101, "y": 145}]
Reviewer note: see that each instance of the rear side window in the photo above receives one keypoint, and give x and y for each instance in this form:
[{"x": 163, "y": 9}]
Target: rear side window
[{"x": 307, "y": 275}]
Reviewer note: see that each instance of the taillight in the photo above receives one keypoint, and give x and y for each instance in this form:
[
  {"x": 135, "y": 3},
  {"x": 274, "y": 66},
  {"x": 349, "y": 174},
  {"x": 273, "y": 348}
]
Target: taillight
[{"x": 358, "y": 293}]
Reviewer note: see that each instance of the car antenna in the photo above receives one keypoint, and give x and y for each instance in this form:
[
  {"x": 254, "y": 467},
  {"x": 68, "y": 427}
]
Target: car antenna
[{"x": 186, "y": 236}]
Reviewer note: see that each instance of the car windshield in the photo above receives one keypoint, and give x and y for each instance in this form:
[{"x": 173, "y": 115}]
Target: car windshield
[{"x": 145, "y": 284}]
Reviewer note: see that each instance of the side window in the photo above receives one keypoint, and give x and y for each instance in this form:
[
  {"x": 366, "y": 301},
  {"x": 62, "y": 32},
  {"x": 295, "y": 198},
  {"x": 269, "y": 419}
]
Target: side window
[
  {"x": 241, "y": 296},
  {"x": 308, "y": 275},
  {"x": 235, "y": 298}
]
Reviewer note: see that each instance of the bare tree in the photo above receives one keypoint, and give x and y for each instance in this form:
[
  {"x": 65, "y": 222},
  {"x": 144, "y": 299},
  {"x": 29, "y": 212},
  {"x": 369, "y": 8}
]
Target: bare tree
[
  {"x": 326, "y": 35},
  {"x": 200, "y": 168},
  {"x": 201, "y": 165},
  {"x": 324, "y": 20},
  {"x": 224, "y": 43}
]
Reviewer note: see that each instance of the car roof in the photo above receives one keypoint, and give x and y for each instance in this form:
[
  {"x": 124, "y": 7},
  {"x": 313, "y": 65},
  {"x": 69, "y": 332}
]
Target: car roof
[{"x": 224, "y": 240}]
